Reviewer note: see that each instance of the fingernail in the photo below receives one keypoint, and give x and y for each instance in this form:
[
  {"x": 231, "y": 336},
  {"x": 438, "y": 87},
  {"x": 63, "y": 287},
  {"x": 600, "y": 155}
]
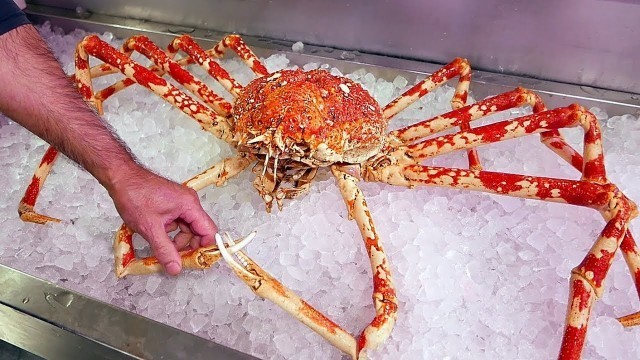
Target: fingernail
[{"x": 173, "y": 268}]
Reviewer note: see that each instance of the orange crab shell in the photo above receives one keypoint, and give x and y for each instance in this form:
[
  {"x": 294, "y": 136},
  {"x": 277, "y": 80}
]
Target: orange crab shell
[{"x": 314, "y": 116}]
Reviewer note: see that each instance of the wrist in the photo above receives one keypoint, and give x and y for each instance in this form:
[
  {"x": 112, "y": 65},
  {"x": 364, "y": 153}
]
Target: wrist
[{"x": 110, "y": 177}]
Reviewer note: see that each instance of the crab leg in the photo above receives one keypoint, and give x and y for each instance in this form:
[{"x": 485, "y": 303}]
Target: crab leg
[
  {"x": 458, "y": 67},
  {"x": 631, "y": 255},
  {"x": 195, "y": 52},
  {"x": 106, "y": 69},
  {"x": 628, "y": 247},
  {"x": 143, "y": 45},
  {"x": 586, "y": 282},
  {"x": 586, "y": 279},
  {"x": 574, "y": 115},
  {"x": 126, "y": 262},
  {"x": 83, "y": 80},
  {"x": 384, "y": 295},
  {"x": 28, "y": 201},
  {"x": 515, "y": 98},
  {"x": 235, "y": 43},
  {"x": 198, "y": 259},
  {"x": 268, "y": 287},
  {"x": 232, "y": 41},
  {"x": 92, "y": 45}
]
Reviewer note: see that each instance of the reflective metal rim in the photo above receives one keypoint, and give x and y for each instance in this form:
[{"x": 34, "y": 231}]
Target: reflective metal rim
[
  {"x": 483, "y": 84},
  {"x": 56, "y": 323}
]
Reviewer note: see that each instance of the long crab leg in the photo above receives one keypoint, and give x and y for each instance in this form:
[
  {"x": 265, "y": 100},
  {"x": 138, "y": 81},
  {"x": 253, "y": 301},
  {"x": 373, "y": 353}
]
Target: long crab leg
[
  {"x": 28, "y": 201},
  {"x": 92, "y": 45},
  {"x": 512, "y": 99},
  {"x": 458, "y": 67},
  {"x": 593, "y": 191},
  {"x": 552, "y": 138},
  {"x": 146, "y": 47},
  {"x": 235, "y": 43},
  {"x": 628, "y": 247},
  {"x": 200, "y": 56},
  {"x": 126, "y": 262},
  {"x": 266, "y": 286},
  {"x": 515, "y": 98},
  {"x": 573, "y": 115},
  {"x": 587, "y": 280},
  {"x": 384, "y": 295}
]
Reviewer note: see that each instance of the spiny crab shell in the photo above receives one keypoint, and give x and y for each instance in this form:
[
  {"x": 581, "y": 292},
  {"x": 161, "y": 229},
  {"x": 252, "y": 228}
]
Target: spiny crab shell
[{"x": 311, "y": 117}]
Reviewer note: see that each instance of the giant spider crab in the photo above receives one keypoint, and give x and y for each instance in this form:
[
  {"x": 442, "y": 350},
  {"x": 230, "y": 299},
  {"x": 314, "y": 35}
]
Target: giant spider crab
[{"x": 290, "y": 123}]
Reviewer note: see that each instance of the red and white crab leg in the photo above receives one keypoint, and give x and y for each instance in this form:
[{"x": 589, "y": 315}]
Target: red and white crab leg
[
  {"x": 515, "y": 98},
  {"x": 553, "y": 140},
  {"x": 92, "y": 45},
  {"x": 235, "y": 43},
  {"x": 125, "y": 259},
  {"x": 202, "y": 58},
  {"x": 573, "y": 115},
  {"x": 587, "y": 278},
  {"x": 587, "y": 282},
  {"x": 106, "y": 69},
  {"x": 28, "y": 201},
  {"x": 458, "y": 67},
  {"x": 268, "y": 287},
  {"x": 146, "y": 47},
  {"x": 628, "y": 247},
  {"x": 632, "y": 257},
  {"x": 384, "y": 294}
]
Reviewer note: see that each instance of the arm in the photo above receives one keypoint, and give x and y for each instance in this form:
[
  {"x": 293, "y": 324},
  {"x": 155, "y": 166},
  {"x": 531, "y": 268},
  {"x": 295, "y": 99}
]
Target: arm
[{"x": 37, "y": 94}]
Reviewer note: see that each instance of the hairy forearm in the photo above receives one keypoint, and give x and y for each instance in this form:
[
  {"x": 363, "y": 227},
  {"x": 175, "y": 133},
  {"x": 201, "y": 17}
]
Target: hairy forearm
[{"x": 35, "y": 92}]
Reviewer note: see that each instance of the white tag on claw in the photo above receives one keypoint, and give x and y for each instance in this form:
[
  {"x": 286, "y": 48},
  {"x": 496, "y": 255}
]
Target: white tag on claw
[{"x": 21, "y": 4}]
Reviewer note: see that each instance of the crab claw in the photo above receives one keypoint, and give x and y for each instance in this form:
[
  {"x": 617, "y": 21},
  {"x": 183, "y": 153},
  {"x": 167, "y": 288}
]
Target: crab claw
[
  {"x": 251, "y": 279},
  {"x": 267, "y": 287},
  {"x": 198, "y": 259},
  {"x": 203, "y": 258}
]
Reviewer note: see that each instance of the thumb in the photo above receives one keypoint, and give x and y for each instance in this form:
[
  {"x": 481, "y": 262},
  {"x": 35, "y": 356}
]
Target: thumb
[{"x": 165, "y": 251}]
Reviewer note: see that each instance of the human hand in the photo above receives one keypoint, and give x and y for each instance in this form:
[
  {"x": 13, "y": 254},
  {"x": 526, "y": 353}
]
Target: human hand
[{"x": 153, "y": 206}]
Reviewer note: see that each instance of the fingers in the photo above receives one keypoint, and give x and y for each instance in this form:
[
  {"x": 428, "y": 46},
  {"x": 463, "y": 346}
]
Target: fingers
[
  {"x": 200, "y": 224},
  {"x": 165, "y": 251},
  {"x": 195, "y": 242},
  {"x": 154, "y": 206},
  {"x": 184, "y": 237}
]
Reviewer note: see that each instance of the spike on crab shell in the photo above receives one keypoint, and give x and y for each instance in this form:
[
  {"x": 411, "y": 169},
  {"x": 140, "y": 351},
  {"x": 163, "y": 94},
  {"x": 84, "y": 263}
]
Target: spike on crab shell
[
  {"x": 277, "y": 137},
  {"x": 259, "y": 138}
]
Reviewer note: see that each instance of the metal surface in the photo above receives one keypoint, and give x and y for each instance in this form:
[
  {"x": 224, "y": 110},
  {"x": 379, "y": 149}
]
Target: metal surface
[
  {"x": 483, "y": 84},
  {"x": 585, "y": 42},
  {"x": 49, "y": 341},
  {"x": 56, "y": 323}
]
